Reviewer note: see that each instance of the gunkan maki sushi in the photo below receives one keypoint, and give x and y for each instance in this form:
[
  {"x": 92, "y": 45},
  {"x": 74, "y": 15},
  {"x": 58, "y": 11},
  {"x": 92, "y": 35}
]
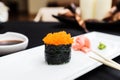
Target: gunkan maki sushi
[{"x": 58, "y": 47}]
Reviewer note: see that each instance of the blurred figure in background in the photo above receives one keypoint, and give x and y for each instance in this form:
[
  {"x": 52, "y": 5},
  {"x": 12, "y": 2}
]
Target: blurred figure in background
[{"x": 3, "y": 12}]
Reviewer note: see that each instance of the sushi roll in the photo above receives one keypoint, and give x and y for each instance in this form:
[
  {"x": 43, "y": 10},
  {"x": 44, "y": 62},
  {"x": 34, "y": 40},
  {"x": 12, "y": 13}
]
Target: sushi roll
[{"x": 57, "y": 47}]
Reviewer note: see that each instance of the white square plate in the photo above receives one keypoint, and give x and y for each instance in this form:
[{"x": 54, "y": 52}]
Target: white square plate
[{"x": 30, "y": 64}]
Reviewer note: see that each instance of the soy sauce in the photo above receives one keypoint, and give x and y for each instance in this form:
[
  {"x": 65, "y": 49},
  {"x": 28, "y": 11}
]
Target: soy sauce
[{"x": 10, "y": 42}]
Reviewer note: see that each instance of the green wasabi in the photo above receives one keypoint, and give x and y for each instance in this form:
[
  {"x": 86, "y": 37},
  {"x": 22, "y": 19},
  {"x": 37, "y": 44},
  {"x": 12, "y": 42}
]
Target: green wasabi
[{"x": 101, "y": 46}]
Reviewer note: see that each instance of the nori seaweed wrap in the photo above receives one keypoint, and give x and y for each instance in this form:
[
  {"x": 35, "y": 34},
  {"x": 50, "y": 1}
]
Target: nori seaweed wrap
[{"x": 57, "y": 54}]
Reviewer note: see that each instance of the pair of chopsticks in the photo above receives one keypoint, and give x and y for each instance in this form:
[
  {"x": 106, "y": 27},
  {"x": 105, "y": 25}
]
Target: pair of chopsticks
[{"x": 106, "y": 61}]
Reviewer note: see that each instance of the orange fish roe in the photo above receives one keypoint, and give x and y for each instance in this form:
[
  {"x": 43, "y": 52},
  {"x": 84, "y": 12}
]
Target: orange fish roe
[{"x": 58, "y": 38}]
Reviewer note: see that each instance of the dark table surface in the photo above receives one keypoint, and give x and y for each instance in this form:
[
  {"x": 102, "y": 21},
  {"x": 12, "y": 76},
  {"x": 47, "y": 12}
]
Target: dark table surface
[{"x": 36, "y": 31}]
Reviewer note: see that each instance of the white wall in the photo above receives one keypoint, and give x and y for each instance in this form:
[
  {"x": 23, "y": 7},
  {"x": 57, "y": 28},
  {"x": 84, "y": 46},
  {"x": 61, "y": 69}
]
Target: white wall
[{"x": 35, "y": 5}]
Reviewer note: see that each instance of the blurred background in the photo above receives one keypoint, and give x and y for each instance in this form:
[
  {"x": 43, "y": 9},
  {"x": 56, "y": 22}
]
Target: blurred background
[{"x": 27, "y": 9}]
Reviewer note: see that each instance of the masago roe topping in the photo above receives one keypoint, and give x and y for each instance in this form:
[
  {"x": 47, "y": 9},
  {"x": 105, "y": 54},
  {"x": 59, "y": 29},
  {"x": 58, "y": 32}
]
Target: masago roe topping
[{"x": 58, "y": 38}]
